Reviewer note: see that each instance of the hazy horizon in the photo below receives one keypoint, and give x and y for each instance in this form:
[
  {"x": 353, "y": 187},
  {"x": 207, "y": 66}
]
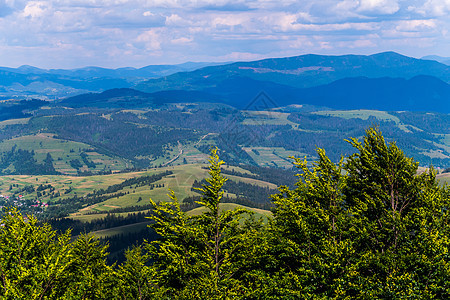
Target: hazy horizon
[{"x": 204, "y": 62}]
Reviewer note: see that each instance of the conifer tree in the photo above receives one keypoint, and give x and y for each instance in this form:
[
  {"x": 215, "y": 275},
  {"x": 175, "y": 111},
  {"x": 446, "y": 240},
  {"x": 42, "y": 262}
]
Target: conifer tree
[
  {"x": 400, "y": 226},
  {"x": 90, "y": 276},
  {"x": 33, "y": 259},
  {"x": 310, "y": 225},
  {"x": 195, "y": 256},
  {"x": 369, "y": 227},
  {"x": 135, "y": 276}
]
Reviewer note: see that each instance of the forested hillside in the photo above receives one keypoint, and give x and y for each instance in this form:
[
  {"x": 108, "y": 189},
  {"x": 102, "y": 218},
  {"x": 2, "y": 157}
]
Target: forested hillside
[
  {"x": 97, "y": 140},
  {"x": 368, "y": 226}
]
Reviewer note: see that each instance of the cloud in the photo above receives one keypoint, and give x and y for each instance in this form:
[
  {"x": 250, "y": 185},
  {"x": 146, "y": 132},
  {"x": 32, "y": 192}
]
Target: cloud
[
  {"x": 432, "y": 8},
  {"x": 241, "y": 56},
  {"x": 416, "y": 25},
  {"x": 8, "y": 7},
  {"x": 36, "y": 9},
  {"x": 152, "y": 39},
  {"x": 378, "y": 6},
  {"x": 228, "y": 7},
  {"x": 102, "y": 31},
  {"x": 133, "y": 19}
]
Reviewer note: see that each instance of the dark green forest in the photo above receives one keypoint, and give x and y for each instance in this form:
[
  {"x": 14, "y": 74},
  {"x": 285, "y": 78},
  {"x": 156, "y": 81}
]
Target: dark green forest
[{"x": 368, "y": 227}]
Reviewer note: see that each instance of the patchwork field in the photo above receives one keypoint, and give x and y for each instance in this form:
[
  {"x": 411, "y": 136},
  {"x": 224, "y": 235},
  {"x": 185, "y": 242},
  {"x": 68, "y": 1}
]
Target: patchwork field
[
  {"x": 65, "y": 187},
  {"x": 363, "y": 114},
  {"x": 444, "y": 178},
  {"x": 13, "y": 122},
  {"x": 267, "y": 118},
  {"x": 273, "y": 156},
  {"x": 62, "y": 152},
  {"x": 105, "y": 233}
]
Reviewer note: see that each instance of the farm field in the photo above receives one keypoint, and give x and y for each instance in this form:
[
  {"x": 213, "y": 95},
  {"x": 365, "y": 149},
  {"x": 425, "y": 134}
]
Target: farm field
[
  {"x": 273, "y": 156},
  {"x": 444, "y": 178},
  {"x": 62, "y": 152},
  {"x": 13, "y": 122},
  {"x": 64, "y": 187},
  {"x": 363, "y": 114}
]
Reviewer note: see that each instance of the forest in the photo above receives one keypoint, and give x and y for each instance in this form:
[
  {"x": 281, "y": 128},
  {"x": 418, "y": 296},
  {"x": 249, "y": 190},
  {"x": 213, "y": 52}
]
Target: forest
[
  {"x": 368, "y": 226},
  {"x": 150, "y": 137}
]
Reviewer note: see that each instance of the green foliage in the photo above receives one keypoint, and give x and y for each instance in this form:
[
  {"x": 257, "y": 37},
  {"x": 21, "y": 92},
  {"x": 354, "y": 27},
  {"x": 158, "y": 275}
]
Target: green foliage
[
  {"x": 33, "y": 260},
  {"x": 197, "y": 256},
  {"x": 367, "y": 227},
  {"x": 135, "y": 276},
  {"x": 91, "y": 277},
  {"x": 399, "y": 220},
  {"x": 36, "y": 263},
  {"x": 23, "y": 162}
]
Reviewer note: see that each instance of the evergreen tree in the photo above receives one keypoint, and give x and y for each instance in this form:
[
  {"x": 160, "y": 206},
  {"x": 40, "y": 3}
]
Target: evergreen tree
[
  {"x": 90, "y": 276},
  {"x": 33, "y": 259},
  {"x": 135, "y": 276},
  {"x": 312, "y": 247},
  {"x": 197, "y": 256},
  {"x": 370, "y": 227},
  {"x": 399, "y": 221}
]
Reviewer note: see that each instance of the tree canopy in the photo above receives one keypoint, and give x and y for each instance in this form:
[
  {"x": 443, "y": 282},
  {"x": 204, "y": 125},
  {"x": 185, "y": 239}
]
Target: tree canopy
[{"x": 369, "y": 226}]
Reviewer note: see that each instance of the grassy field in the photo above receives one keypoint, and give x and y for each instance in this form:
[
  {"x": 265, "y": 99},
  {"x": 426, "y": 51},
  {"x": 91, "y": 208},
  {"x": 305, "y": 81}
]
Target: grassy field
[
  {"x": 363, "y": 114},
  {"x": 120, "y": 230},
  {"x": 444, "y": 141},
  {"x": 189, "y": 154},
  {"x": 68, "y": 186},
  {"x": 13, "y": 122},
  {"x": 258, "y": 213},
  {"x": 271, "y": 118},
  {"x": 273, "y": 156},
  {"x": 62, "y": 152},
  {"x": 91, "y": 217},
  {"x": 444, "y": 178},
  {"x": 267, "y": 118}
]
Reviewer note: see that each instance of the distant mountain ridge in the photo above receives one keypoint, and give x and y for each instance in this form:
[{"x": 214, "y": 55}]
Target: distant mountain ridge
[
  {"x": 444, "y": 60},
  {"x": 420, "y": 93},
  {"x": 383, "y": 81},
  {"x": 303, "y": 71},
  {"x": 29, "y": 81},
  {"x": 125, "y": 72}
]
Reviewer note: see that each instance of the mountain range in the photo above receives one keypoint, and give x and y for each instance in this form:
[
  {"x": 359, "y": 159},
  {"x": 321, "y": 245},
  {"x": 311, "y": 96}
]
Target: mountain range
[
  {"x": 28, "y": 81},
  {"x": 384, "y": 81},
  {"x": 444, "y": 60}
]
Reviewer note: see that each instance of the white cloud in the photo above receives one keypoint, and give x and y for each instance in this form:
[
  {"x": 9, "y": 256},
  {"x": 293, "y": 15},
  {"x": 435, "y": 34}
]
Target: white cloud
[
  {"x": 433, "y": 8},
  {"x": 136, "y": 30},
  {"x": 151, "y": 38},
  {"x": 241, "y": 56},
  {"x": 362, "y": 43},
  {"x": 35, "y": 9},
  {"x": 379, "y": 6},
  {"x": 229, "y": 20},
  {"x": 181, "y": 41},
  {"x": 416, "y": 25}
]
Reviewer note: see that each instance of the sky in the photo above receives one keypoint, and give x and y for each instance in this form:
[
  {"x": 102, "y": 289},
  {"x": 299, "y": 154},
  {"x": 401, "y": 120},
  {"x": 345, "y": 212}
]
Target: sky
[{"x": 133, "y": 33}]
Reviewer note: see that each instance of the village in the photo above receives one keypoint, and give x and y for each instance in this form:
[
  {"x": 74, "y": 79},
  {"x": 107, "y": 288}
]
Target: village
[{"x": 20, "y": 201}]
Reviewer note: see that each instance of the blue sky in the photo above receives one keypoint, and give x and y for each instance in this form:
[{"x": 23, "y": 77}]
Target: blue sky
[{"x": 119, "y": 33}]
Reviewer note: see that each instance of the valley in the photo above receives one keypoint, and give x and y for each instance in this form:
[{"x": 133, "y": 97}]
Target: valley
[{"x": 93, "y": 160}]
